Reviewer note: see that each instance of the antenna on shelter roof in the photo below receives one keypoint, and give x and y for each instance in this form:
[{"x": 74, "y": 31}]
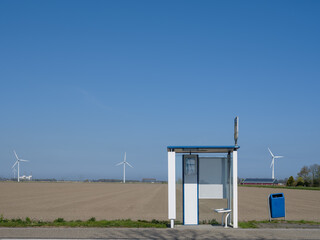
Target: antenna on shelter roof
[{"x": 236, "y": 130}]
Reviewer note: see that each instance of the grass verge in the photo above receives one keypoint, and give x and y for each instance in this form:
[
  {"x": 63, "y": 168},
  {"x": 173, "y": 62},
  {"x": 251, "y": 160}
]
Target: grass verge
[
  {"x": 248, "y": 224},
  {"x": 256, "y": 224},
  {"x": 92, "y": 222}
]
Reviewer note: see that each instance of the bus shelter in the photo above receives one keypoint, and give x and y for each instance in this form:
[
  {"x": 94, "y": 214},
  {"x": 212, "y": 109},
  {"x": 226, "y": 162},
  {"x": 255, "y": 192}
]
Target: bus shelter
[{"x": 209, "y": 173}]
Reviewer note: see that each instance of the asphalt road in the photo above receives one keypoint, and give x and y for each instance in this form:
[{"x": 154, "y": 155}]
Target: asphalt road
[{"x": 197, "y": 232}]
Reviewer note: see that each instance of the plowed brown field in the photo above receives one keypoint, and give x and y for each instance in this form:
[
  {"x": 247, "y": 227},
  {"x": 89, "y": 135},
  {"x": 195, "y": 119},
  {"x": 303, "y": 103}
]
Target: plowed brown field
[{"x": 71, "y": 201}]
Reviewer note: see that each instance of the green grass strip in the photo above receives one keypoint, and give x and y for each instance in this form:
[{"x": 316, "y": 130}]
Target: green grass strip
[
  {"x": 255, "y": 224},
  {"x": 92, "y": 222},
  {"x": 248, "y": 224}
]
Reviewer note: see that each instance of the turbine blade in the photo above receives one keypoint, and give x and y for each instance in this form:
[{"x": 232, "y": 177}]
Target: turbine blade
[
  {"x": 125, "y": 156},
  {"x": 270, "y": 152},
  {"x": 22, "y": 160},
  {"x": 272, "y": 162},
  {"x": 129, "y": 164},
  {"x": 119, "y": 163},
  {"x": 15, "y": 154},
  {"x": 278, "y": 157},
  {"x": 15, "y": 164}
]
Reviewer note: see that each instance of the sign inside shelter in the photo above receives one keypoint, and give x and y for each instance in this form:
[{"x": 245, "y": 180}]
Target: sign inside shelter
[{"x": 190, "y": 166}]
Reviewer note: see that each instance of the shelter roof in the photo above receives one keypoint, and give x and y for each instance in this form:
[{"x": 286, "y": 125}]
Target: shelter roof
[{"x": 202, "y": 149}]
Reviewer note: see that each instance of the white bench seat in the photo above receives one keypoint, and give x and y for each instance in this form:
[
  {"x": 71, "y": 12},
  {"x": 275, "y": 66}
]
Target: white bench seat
[{"x": 225, "y": 214}]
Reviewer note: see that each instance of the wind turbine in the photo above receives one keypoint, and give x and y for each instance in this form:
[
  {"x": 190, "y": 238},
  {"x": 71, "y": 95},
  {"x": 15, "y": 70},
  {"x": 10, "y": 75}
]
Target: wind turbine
[
  {"x": 18, "y": 162},
  {"x": 124, "y": 166},
  {"x": 272, "y": 162}
]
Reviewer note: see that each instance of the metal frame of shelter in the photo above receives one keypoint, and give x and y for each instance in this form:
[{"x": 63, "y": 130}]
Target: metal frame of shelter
[{"x": 233, "y": 167}]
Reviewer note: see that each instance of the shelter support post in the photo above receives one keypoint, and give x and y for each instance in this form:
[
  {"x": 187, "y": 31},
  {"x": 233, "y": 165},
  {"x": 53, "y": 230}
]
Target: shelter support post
[
  {"x": 172, "y": 187},
  {"x": 235, "y": 189}
]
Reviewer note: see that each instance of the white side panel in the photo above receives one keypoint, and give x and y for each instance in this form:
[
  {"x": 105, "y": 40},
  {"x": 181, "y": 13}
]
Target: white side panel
[
  {"x": 235, "y": 189},
  {"x": 210, "y": 191},
  {"x": 171, "y": 185},
  {"x": 190, "y": 203}
]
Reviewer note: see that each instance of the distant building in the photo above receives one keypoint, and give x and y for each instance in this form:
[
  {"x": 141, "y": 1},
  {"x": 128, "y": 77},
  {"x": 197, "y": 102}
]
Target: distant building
[
  {"x": 24, "y": 177},
  {"x": 149, "y": 180},
  {"x": 259, "y": 181}
]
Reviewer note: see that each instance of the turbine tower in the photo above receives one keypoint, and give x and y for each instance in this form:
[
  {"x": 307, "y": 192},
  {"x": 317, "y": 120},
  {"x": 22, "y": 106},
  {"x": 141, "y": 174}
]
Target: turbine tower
[
  {"x": 18, "y": 162},
  {"x": 272, "y": 162},
  {"x": 124, "y": 166}
]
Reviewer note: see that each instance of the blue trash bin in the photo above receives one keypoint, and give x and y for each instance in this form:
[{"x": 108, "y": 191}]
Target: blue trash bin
[{"x": 276, "y": 206}]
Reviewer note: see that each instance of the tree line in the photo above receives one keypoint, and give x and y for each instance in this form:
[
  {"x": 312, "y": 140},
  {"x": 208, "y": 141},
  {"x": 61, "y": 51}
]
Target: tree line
[{"x": 309, "y": 176}]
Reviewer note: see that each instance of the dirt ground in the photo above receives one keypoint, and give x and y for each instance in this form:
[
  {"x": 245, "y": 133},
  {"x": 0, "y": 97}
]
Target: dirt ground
[{"x": 72, "y": 201}]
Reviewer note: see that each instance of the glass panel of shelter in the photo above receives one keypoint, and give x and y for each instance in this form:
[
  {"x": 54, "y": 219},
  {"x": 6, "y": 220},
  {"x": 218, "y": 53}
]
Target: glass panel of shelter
[
  {"x": 179, "y": 187},
  {"x": 215, "y": 186}
]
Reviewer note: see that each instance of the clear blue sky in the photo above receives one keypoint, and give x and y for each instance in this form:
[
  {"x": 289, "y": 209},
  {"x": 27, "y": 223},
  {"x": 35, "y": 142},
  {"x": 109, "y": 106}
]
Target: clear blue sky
[{"x": 84, "y": 81}]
